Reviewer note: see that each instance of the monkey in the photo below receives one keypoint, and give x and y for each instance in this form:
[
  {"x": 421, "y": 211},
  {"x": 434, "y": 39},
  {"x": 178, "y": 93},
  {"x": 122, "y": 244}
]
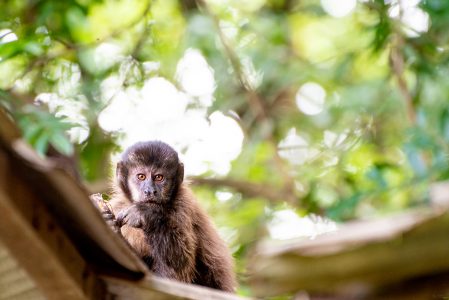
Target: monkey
[{"x": 158, "y": 215}]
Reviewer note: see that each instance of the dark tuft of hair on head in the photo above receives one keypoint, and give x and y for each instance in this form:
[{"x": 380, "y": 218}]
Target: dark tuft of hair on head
[{"x": 155, "y": 153}]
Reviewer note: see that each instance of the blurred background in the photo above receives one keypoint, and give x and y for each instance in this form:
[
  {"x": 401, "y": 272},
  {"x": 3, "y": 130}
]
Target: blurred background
[{"x": 291, "y": 116}]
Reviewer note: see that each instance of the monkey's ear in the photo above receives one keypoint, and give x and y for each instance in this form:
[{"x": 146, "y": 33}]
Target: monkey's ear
[
  {"x": 119, "y": 169},
  {"x": 180, "y": 173},
  {"x": 121, "y": 175}
]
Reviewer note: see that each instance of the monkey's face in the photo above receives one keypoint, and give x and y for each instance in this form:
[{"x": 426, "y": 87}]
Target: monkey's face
[
  {"x": 150, "y": 172},
  {"x": 150, "y": 185}
]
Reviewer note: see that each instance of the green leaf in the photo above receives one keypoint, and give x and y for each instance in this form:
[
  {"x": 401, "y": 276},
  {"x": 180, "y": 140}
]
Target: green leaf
[
  {"x": 41, "y": 144},
  {"x": 61, "y": 143}
]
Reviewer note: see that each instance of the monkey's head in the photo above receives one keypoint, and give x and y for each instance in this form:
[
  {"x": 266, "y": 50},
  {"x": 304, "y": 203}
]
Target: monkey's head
[{"x": 150, "y": 173}]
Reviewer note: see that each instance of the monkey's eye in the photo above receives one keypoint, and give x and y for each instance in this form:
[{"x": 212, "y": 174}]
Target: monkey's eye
[
  {"x": 141, "y": 177},
  {"x": 158, "y": 177}
]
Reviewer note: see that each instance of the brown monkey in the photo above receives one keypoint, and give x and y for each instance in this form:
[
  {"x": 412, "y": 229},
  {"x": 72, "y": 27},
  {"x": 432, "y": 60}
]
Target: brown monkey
[{"x": 161, "y": 220}]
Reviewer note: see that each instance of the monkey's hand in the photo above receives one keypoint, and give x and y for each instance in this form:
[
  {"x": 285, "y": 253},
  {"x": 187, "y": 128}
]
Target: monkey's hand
[
  {"x": 110, "y": 219},
  {"x": 106, "y": 211},
  {"x": 130, "y": 216}
]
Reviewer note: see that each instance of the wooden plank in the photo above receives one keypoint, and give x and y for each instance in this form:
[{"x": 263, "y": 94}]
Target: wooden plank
[
  {"x": 30, "y": 233},
  {"x": 8, "y": 130},
  {"x": 156, "y": 288},
  {"x": 357, "y": 260},
  {"x": 69, "y": 204},
  {"x": 15, "y": 283}
]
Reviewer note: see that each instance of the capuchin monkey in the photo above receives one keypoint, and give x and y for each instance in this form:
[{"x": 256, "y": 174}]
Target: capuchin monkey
[{"x": 159, "y": 217}]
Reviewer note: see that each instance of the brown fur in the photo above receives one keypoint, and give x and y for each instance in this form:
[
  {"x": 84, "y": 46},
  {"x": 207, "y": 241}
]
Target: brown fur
[
  {"x": 134, "y": 236},
  {"x": 176, "y": 239}
]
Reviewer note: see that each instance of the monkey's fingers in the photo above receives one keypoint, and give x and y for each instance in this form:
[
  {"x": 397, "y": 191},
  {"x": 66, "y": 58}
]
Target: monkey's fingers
[
  {"x": 122, "y": 218},
  {"x": 108, "y": 215},
  {"x": 113, "y": 225},
  {"x": 102, "y": 205},
  {"x": 131, "y": 217}
]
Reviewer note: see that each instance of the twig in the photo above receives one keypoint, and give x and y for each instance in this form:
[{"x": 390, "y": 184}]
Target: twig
[
  {"x": 397, "y": 63},
  {"x": 249, "y": 189},
  {"x": 142, "y": 38},
  {"x": 253, "y": 98}
]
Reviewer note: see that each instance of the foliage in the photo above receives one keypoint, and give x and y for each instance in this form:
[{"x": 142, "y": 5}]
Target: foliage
[{"x": 374, "y": 146}]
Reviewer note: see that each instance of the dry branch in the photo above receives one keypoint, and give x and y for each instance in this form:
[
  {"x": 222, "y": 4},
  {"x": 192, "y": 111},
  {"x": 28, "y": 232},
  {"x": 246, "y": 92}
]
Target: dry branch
[{"x": 248, "y": 189}]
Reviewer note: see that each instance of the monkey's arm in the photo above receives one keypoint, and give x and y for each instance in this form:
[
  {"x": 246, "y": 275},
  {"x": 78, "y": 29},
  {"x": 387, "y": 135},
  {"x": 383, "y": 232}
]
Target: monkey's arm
[{"x": 137, "y": 241}]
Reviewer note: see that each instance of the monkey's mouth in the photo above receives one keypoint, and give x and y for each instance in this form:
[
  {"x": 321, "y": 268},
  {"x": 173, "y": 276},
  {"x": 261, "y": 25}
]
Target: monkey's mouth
[
  {"x": 145, "y": 204},
  {"x": 151, "y": 200}
]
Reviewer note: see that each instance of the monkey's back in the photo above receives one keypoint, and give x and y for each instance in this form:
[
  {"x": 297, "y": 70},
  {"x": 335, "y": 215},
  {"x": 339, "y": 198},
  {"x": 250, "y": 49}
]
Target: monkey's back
[{"x": 214, "y": 263}]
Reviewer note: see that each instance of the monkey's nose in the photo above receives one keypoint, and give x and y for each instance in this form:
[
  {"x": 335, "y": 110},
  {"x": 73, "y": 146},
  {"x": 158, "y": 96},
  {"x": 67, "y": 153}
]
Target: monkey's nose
[{"x": 149, "y": 192}]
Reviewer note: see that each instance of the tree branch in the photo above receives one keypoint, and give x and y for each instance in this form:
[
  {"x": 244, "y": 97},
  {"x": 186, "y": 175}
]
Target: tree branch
[
  {"x": 254, "y": 100},
  {"x": 397, "y": 64},
  {"x": 246, "y": 188}
]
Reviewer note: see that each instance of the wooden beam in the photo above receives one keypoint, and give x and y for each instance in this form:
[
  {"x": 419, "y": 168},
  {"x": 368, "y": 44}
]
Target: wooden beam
[
  {"x": 358, "y": 260},
  {"x": 8, "y": 130},
  {"x": 68, "y": 203},
  {"x": 31, "y": 234},
  {"x": 15, "y": 283},
  {"x": 156, "y": 288}
]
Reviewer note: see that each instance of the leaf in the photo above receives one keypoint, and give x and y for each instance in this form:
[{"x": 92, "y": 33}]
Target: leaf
[
  {"x": 61, "y": 143},
  {"x": 344, "y": 209},
  {"x": 34, "y": 48},
  {"x": 41, "y": 144},
  {"x": 30, "y": 131}
]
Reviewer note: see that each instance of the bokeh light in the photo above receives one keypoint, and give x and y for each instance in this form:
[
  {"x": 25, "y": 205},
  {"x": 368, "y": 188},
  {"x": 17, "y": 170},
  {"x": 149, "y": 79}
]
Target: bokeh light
[
  {"x": 310, "y": 98},
  {"x": 338, "y": 8}
]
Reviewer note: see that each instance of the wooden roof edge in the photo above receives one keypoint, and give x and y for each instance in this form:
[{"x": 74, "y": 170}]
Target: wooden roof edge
[
  {"x": 359, "y": 232},
  {"x": 352, "y": 234},
  {"x": 362, "y": 257},
  {"x": 77, "y": 207},
  {"x": 34, "y": 238},
  {"x": 68, "y": 195},
  {"x": 152, "y": 287},
  {"x": 8, "y": 130}
]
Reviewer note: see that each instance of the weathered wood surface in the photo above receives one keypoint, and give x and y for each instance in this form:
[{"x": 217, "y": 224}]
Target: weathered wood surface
[
  {"x": 15, "y": 283},
  {"x": 361, "y": 260},
  {"x": 54, "y": 232},
  {"x": 66, "y": 199},
  {"x": 152, "y": 287},
  {"x": 34, "y": 237}
]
